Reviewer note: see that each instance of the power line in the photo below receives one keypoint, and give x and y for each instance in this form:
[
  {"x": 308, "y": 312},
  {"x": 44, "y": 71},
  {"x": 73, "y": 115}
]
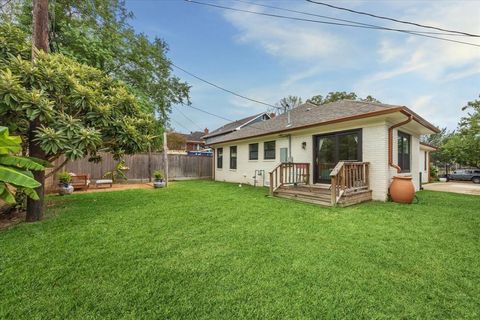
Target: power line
[
  {"x": 223, "y": 118},
  {"x": 372, "y": 26},
  {"x": 221, "y": 88},
  {"x": 392, "y": 19},
  {"x": 188, "y": 118},
  {"x": 181, "y": 125},
  {"x": 330, "y": 23}
]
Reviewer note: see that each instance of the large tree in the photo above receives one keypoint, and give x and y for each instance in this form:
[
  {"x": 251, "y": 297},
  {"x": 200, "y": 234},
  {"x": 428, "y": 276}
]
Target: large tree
[
  {"x": 98, "y": 33},
  {"x": 337, "y": 96},
  {"x": 464, "y": 145},
  {"x": 288, "y": 103},
  {"x": 76, "y": 110}
]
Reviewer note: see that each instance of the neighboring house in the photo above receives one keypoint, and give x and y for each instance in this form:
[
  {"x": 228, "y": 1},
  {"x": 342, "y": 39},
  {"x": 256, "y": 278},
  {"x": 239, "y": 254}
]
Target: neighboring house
[
  {"x": 187, "y": 143},
  {"x": 342, "y": 152},
  {"x": 195, "y": 142}
]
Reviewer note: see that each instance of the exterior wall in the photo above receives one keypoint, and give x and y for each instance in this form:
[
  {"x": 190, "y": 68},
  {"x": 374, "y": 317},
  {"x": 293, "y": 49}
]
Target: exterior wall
[
  {"x": 414, "y": 157},
  {"x": 421, "y": 164},
  {"x": 374, "y": 149}
]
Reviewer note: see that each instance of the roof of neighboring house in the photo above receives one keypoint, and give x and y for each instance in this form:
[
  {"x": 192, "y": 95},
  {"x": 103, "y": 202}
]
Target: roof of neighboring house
[
  {"x": 232, "y": 126},
  {"x": 196, "y": 136},
  {"x": 308, "y": 114}
]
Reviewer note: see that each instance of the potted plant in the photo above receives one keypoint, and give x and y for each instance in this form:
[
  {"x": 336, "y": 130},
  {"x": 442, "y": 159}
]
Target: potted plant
[
  {"x": 158, "y": 181},
  {"x": 64, "y": 185}
]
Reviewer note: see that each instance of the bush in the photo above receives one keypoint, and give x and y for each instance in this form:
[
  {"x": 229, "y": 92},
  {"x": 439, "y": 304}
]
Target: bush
[
  {"x": 158, "y": 174},
  {"x": 64, "y": 177}
]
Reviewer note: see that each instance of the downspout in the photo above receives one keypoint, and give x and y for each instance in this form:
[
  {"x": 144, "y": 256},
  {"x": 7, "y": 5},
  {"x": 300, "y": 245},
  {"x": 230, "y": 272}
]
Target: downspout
[{"x": 390, "y": 141}]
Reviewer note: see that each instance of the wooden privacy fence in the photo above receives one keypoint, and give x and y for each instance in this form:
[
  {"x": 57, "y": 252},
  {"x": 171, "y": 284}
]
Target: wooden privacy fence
[{"x": 180, "y": 167}]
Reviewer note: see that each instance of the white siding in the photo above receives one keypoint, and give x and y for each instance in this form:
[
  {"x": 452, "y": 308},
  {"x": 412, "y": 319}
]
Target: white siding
[
  {"x": 423, "y": 164},
  {"x": 374, "y": 144}
]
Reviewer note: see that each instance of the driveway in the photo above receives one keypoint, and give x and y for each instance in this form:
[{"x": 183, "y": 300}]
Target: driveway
[{"x": 457, "y": 187}]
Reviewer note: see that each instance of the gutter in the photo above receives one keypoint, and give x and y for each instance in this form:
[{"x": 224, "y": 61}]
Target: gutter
[{"x": 390, "y": 140}]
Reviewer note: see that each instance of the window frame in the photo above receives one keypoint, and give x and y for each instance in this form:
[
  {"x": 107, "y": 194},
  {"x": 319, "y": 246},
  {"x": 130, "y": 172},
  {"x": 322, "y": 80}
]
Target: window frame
[
  {"x": 400, "y": 151},
  {"x": 250, "y": 151},
  {"x": 265, "y": 150},
  {"x": 233, "y": 160},
  {"x": 219, "y": 158}
]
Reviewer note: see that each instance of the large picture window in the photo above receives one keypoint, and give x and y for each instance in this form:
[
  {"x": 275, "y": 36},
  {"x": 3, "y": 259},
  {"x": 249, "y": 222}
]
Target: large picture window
[
  {"x": 253, "y": 151},
  {"x": 219, "y": 158},
  {"x": 404, "y": 141},
  {"x": 233, "y": 157},
  {"x": 269, "y": 150}
]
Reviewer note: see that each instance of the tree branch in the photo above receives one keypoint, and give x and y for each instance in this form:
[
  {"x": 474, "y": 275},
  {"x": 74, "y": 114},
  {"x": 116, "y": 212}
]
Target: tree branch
[{"x": 51, "y": 173}]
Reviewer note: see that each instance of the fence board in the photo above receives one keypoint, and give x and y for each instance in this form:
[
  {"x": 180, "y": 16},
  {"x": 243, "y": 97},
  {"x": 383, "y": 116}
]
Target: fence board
[{"x": 179, "y": 167}]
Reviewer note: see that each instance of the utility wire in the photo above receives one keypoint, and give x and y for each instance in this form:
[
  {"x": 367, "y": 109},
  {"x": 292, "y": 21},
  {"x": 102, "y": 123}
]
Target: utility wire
[
  {"x": 327, "y": 22},
  {"x": 342, "y": 20},
  {"x": 188, "y": 118},
  {"x": 392, "y": 19},
  {"x": 181, "y": 125},
  {"x": 223, "y": 89}
]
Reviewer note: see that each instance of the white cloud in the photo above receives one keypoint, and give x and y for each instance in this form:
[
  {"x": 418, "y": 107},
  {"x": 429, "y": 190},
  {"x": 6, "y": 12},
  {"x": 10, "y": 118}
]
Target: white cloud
[{"x": 317, "y": 58}]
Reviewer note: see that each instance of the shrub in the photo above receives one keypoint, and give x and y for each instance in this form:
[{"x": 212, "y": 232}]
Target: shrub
[
  {"x": 64, "y": 177},
  {"x": 158, "y": 174}
]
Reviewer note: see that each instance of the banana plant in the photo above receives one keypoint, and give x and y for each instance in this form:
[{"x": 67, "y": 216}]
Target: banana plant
[
  {"x": 15, "y": 171},
  {"x": 118, "y": 172}
]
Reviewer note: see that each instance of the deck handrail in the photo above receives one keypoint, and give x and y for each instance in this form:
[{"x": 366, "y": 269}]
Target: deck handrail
[
  {"x": 348, "y": 176},
  {"x": 289, "y": 173}
]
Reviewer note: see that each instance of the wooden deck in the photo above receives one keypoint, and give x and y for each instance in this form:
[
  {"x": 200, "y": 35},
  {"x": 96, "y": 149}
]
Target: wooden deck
[
  {"x": 321, "y": 195},
  {"x": 350, "y": 184}
]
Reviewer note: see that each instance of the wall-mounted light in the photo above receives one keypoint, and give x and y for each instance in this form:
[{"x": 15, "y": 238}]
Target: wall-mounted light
[{"x": 304, "y": 145}]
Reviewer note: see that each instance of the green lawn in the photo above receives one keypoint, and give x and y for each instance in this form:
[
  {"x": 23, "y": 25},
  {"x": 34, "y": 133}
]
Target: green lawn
[{"x": 208, "y": 250}]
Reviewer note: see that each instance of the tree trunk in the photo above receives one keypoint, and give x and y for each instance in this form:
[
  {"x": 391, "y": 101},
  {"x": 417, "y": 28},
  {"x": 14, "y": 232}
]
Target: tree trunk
[{"x": 35, "y": 208}]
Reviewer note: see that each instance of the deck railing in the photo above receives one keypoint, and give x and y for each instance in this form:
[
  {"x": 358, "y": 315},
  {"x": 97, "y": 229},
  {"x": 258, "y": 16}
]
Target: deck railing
[
  {"x": 348, "y": 176},
  {"x": 289, "y": 173}
]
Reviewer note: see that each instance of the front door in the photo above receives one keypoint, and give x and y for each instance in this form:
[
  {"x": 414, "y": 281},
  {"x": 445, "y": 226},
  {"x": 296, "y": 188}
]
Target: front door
[{"x": 331, "y": 148}]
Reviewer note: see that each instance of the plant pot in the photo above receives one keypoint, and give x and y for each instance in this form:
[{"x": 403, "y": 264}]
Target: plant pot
[
  {"x": 442, "y": 179},
  {"x": 65, "y": 188},
  {"x": 158, "y": 183},
  {"x": 402, "y": 189}
]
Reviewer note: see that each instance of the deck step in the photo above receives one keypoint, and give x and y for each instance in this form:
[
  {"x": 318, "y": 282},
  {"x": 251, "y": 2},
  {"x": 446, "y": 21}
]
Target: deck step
[
  {"x": 306, "y": 194},
  {"x": 308, "y": 199}
]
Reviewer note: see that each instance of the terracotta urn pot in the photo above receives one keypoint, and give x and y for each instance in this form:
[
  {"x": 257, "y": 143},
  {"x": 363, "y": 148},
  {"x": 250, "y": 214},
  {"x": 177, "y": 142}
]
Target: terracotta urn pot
[{"x": 402, "y": 189}]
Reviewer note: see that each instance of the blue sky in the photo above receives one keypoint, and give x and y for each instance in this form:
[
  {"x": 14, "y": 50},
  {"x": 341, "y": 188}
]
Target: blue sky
[{"x": 267, "y": 58}]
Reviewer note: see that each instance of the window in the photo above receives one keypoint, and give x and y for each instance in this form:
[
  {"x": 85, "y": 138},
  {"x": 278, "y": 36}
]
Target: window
[
  {"x": 233, "y": 157},
  {"x": 425, "y": 160},
  {"x": 219, "y": 158},
  {"x": 269, "y": 150},
  {"x": 253, "y": 151},
  {"x": 404, "y": 151}
]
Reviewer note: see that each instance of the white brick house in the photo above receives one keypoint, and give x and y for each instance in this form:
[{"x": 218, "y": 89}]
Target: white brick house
[{"x": 378, "y": 140}]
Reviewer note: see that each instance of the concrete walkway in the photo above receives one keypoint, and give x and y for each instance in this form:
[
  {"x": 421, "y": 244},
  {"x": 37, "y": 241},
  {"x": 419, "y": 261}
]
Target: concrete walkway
[{"x": 466, "y": 187}]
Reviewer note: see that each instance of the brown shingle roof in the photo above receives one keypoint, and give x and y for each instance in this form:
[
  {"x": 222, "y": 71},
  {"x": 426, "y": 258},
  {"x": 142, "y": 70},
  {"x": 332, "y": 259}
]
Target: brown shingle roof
[{"x": 309, "y": 114}]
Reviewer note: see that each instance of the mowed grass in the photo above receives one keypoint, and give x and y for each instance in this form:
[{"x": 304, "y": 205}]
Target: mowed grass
[{"x": 206, "y": 250}]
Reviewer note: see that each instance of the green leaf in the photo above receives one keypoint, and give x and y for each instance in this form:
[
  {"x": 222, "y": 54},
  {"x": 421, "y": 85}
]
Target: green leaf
[
  {"x": 9, "y": 143},
  {"x": 20, "y": 162},
  {"x": 6, "y": 195},
  {"x": 17, "y": 177},
  {"x": 31, "y": 193}
]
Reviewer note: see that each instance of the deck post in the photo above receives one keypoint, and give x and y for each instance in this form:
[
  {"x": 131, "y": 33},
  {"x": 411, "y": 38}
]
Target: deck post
[
  {"x": 334, "y": 190},
  {"x": 271, "y": 183}
]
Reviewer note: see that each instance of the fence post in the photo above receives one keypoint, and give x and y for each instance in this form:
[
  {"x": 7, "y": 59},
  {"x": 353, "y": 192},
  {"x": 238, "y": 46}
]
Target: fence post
[{"x": 165, "y": 157}]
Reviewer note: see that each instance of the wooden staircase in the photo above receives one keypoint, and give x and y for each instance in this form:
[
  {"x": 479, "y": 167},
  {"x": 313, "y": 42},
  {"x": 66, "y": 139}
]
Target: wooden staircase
[
  {"x": 349, "y": 184},
  {"x": 306, "y": 193}
]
